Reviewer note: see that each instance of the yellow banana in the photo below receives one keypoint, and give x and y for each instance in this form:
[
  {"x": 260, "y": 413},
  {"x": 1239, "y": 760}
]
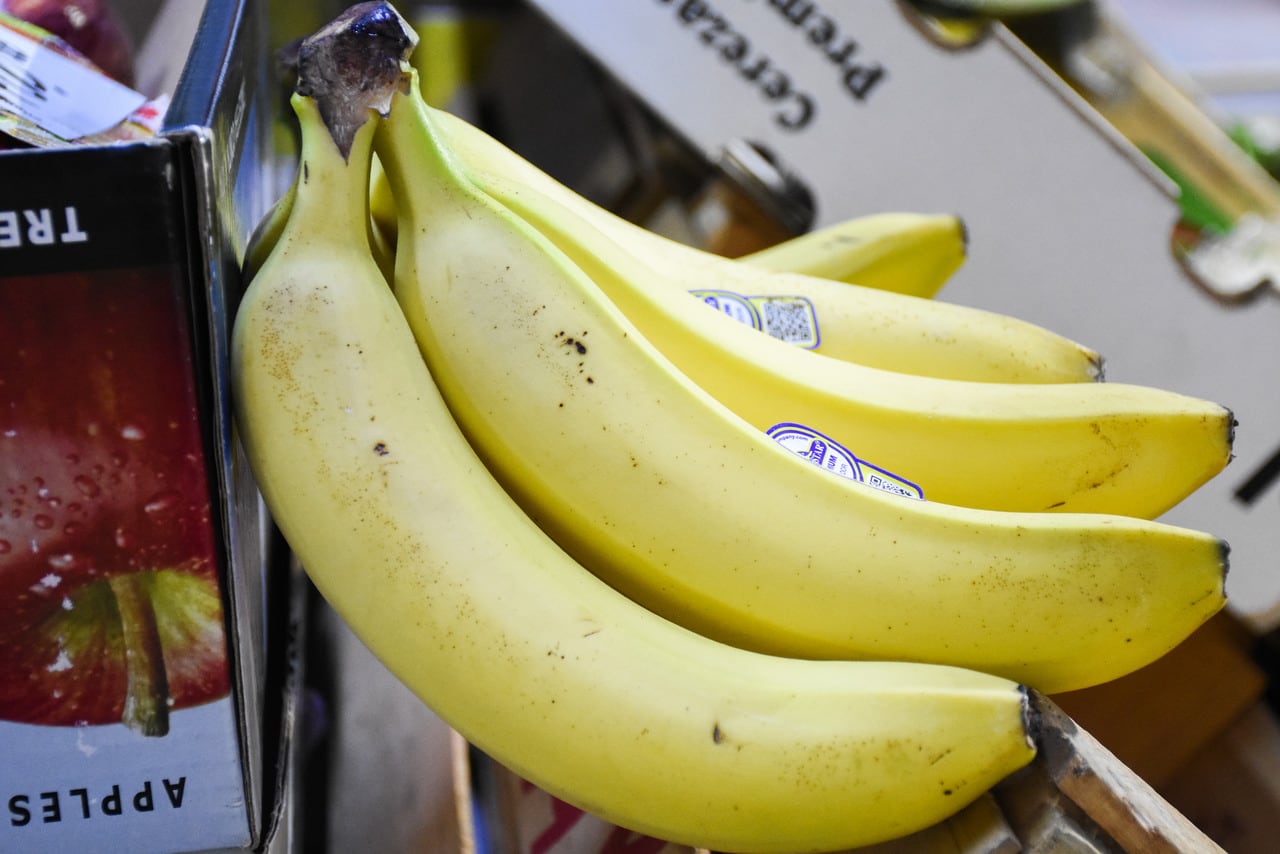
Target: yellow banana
[
  {"x": 902, "y": 252},
  {"x": 1088, "y": 447},
  {"x": 526, "y": 654},
  {"x": 267, "y": 233},
  {"x": 666, "y": 494},
  {"x": 906, "y": 253},
  {"x": 903, "y": 334},
  {"x": 849, "y": 322}
]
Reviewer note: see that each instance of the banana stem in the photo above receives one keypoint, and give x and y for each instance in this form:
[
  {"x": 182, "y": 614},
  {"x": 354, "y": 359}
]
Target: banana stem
[
  {"x": 146, "y": 703},
  {"x": 348, "y": 72},
  {"x": 342, "y": 208},
  {"x": 353, "y": 65},
  {"x": 359, "y": 63},
  {"x": 410, "y": 131}
]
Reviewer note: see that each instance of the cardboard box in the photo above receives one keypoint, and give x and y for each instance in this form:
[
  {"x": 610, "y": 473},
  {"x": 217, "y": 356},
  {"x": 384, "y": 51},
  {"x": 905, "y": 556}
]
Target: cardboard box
[
  {"x": 1070, "y": 225},
  {"x": 139, "y": 655}
]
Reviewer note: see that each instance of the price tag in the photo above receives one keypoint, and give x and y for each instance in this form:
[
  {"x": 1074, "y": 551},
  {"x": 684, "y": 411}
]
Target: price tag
[{"x": 64, "y": 97}]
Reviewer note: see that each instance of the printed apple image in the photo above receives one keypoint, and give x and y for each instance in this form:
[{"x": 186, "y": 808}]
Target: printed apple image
[
  {"x": 110, "y": 607},
  {"x": 91, "y": 27}
]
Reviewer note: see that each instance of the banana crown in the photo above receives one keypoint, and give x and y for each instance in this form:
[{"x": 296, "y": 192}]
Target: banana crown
[{"x": 515, "y": 644}]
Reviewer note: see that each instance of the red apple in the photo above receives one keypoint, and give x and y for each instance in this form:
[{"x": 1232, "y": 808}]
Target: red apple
[
  {"x": 110, "y": 608},
  {"x": 92, "y": 27}
]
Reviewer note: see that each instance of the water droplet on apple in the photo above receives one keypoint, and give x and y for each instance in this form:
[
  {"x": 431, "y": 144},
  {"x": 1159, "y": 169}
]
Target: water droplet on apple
[
  {"x": 88, "y": 486},
  {"x": 54, "y": 501},
  {"x": 5, "y": 547},
  {"x": 162, "y": 502},
  {"x": 133, "y": 433},
  {"x": 61, "y": 663},
  {"x": 67, "y": 604},
  {"x": 72, "y": 529},
  {"x": 42, "y": 521},
  {"x": 64, "y": 561},
  {"x": 122, "y": 538},
  {"x": 45, "y": 584}
]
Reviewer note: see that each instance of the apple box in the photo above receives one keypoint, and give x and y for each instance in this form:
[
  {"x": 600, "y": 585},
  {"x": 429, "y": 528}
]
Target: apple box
[{"x": 140, "y": 618}]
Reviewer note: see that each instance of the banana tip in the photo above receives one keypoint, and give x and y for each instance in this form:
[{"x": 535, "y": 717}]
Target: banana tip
[
  {"x": 1033, "y": 722},
  {"x": 964, "y": 232}
]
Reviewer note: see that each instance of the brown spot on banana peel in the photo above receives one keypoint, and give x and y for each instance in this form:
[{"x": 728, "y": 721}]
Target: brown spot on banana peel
[
  {"x": 1227, "y": 418},
  {"x": 1096, "y": 427}
]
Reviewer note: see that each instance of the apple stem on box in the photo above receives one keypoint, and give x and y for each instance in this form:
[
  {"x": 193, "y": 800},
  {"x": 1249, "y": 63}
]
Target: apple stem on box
[{"x": 146, "y": 704}]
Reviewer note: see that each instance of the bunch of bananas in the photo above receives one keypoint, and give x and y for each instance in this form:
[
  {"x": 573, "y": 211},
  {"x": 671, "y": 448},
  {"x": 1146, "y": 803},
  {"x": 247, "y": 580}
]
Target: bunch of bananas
[{"x": 586, "y": 518}]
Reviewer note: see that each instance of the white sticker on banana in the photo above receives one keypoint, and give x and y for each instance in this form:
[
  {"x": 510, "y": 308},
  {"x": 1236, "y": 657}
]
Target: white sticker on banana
[{"x": 829, "y": 455}]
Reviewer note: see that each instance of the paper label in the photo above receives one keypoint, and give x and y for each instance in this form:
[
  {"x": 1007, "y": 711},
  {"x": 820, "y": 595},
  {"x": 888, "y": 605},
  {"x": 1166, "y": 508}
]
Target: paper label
[
  {"x": 66, "y": 98},
  {"x": 788, "y": 318},
  {"x": 829, "y": 455},
  {"x": 735, "y": 305}
]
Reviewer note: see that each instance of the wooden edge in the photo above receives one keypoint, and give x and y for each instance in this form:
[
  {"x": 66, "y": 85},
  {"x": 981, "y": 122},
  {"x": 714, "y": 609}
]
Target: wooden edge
[
  {"x": 1076, "y": 795},
  {"x": 1119, "y": 801},
  {"x": 459, "y": 759}
]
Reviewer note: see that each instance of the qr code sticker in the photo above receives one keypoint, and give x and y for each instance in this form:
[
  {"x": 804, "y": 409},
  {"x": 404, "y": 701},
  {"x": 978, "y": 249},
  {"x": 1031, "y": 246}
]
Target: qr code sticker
[{"x": 790, "y": 319}]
